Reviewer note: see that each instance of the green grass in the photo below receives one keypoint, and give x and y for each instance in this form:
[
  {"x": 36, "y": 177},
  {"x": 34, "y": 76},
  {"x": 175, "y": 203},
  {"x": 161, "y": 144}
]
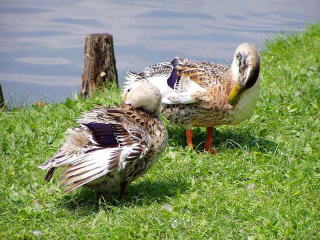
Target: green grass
[{"x": 263, "y": 183}]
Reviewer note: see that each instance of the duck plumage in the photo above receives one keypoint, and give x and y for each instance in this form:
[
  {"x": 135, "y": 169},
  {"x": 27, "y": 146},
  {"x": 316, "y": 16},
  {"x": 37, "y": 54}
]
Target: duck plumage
[
  {"x": 110, "y": 148},
  {"x": 204, "y": 94}
]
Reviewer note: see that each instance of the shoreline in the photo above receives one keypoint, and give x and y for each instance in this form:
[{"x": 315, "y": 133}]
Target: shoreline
[{"x": 263, "y": 183}]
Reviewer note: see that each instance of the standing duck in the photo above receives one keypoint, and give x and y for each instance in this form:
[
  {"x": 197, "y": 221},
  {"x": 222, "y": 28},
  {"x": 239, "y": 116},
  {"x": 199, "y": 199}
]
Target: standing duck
[
  {"x": 111, "y": 147},
  {"x": 201, "y": 94}
]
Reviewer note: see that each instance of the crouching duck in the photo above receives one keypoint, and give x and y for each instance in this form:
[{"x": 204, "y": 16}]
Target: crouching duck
[
  {"x": 111, "y": 147},
  {"x": 201, "y": 94}
]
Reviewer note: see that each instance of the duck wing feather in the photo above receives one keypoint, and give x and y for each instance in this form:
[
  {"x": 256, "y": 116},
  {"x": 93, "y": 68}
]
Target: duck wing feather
[
  {"x": 182, "y": 80},
  {"x": 112, "y": 140}
]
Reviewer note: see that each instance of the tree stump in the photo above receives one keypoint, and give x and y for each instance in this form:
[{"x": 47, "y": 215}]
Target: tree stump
[
  {"x": 99, "y": 63},
  {"x": 2, "y": 103}
]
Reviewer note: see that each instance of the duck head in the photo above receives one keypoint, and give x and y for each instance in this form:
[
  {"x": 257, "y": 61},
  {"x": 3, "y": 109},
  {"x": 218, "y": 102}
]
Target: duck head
[
  {"x": 143, "y": 95},
  {"x": 245, "y": 70}
]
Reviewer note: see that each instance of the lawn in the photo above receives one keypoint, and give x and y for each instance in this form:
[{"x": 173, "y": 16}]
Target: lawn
[{"x": 263, "y": 184}]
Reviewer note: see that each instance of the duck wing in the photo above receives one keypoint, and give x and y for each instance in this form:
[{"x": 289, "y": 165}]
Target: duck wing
[
  {"x": 204, "y": 74},
  {"x": 181, "y": 80},
  {"x": 112, "y": 141}
]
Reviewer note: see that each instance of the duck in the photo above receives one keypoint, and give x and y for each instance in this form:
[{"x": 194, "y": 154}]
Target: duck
[
  {"x": 206, "y": 94},
  {"x": 112, "y": 146}
]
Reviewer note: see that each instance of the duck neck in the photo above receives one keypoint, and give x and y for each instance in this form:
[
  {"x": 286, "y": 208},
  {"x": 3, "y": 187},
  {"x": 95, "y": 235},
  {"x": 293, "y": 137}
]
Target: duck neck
[{"x": 234, "y": 72}]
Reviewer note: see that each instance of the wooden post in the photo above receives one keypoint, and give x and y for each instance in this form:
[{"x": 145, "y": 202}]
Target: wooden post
[
  {"x": 99, "y": 62},
  {"x": 2, "y": 103}
]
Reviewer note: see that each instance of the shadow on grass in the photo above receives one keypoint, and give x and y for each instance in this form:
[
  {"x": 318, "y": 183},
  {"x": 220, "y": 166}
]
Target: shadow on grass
[
  {"x": 227, "y": 139},
  {"x": 145, "y": 192},
  {"x": 243, "y": 140}
]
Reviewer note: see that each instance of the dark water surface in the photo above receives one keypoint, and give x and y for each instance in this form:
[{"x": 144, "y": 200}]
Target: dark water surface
[{"x": 41, "y": 42}]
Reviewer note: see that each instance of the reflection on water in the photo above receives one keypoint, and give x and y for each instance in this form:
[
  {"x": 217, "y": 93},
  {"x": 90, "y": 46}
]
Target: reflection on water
[{"x": 41, "y": 42}]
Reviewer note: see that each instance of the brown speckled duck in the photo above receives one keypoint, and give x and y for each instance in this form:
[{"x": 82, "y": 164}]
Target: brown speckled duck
[
  {"x": 201, "y": 94},
  {"x": 111, "y": 147}
]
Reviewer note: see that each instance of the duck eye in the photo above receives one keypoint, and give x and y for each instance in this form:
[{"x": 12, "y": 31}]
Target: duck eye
[{"x": 129, "y": 89}]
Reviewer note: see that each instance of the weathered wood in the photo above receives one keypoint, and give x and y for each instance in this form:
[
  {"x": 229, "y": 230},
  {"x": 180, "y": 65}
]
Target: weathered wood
[
  {"x": 2, "y": 102},
  {"x": 99, "y": 62}
]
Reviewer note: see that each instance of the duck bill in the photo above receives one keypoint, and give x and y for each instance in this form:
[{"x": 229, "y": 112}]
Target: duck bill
[{"x": 235, "y": 94}]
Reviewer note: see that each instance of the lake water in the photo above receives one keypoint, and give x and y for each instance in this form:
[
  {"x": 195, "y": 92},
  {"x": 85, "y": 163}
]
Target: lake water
[{"x": 41, "y": 42}]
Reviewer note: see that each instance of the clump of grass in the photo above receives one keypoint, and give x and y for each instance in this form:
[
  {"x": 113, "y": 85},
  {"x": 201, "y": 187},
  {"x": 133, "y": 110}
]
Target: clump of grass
[{"x": 263, "y": 183}]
